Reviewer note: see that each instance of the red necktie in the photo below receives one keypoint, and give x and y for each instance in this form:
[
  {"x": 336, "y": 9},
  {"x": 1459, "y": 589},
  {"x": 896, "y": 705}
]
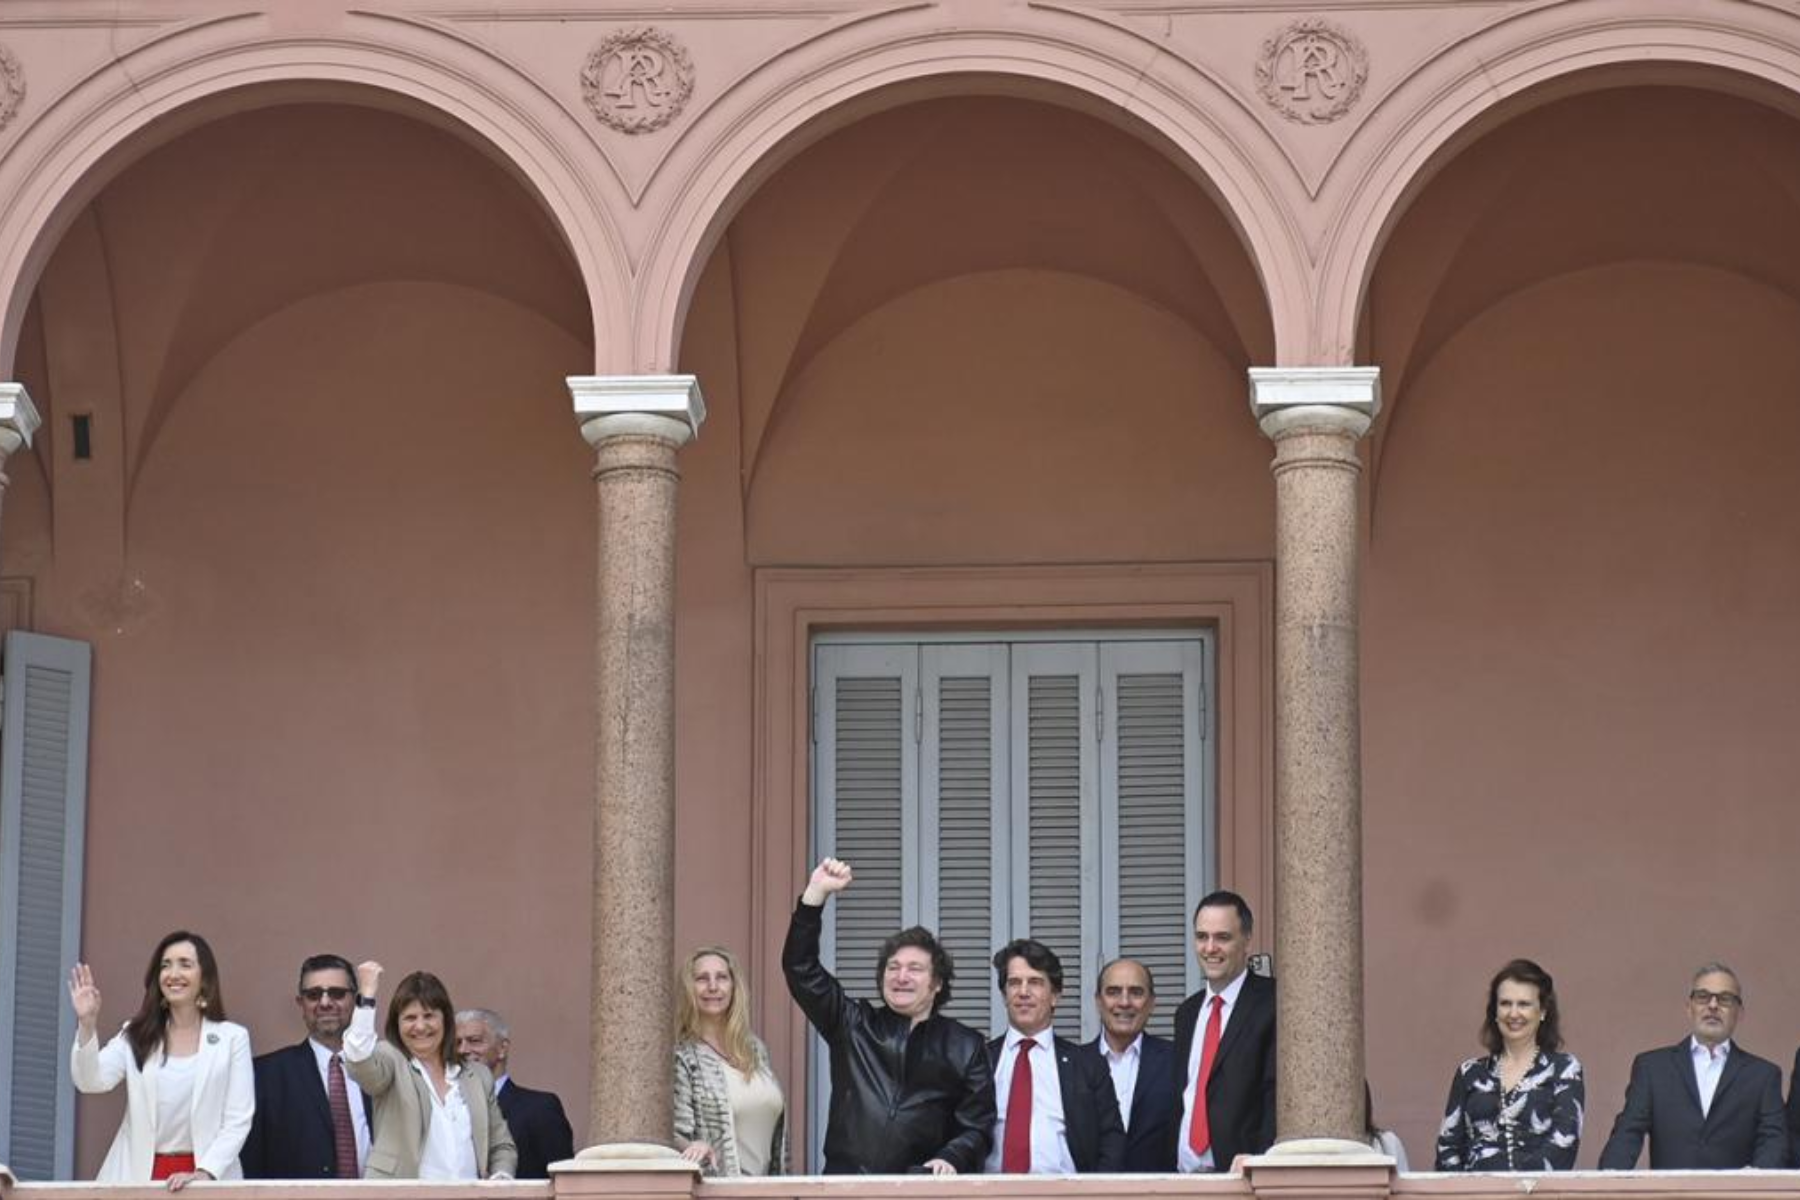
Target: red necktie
[
  {"x": 343, "y": 1133},
  {"x": 1199, "y": 1134},
  {"x": 1015, "y": 1154}
]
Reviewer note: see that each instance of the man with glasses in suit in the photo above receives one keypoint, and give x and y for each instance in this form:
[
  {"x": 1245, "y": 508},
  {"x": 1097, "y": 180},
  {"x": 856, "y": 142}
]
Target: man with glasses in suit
[
  {"x": 1706, "y": 1103},
  {"x": 312, "y": 1121}
]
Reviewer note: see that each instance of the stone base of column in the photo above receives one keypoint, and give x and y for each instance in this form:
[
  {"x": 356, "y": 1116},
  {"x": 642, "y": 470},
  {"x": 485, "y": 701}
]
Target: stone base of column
[
  {"x": 1320, "y": 1169},
  {"x": 625, "y": 1171}
]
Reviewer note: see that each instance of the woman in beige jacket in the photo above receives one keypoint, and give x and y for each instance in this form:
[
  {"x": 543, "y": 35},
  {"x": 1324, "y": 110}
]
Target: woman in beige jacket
[{"x": 435, "y": 1113}]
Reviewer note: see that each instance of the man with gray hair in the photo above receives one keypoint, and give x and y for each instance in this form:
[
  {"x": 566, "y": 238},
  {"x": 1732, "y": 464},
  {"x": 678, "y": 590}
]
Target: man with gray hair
[
  {"x": 1706, "y": 1103},
  {"x": 539, "y": 1128}
]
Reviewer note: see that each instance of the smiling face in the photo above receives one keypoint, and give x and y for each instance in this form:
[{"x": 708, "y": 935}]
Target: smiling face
[
  {"x": 713, "y": 986},
  {"x": 908, "y": 985},
  {"x": 477, "y": 1040},
  {"x": 1125, "y": 1002},
  {"x": 1030, "y": 997},
  {"x": 1518, "y": 1012},
  {"x": 1220, "y": 945},
  {"x": 326, "y": 999},
  {"x": 422, "y": 1031},
  {"x": 178, "y": 976}
]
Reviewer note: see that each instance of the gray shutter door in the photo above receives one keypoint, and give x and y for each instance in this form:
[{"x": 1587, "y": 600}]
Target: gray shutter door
[
  {"x": 1156, "y": 840},
  {"x": 43, "y": 812},
  {"x": 1055, "y": 815},
  {"x": 865, "y": 770},
  {"x": 964, "y": 832}
]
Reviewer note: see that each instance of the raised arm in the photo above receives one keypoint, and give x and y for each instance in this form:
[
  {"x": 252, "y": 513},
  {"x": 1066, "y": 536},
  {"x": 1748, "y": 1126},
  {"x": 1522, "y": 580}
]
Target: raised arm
[
  {"x": 818, "y": 994},
  {"x": 373, "y": 1072},
  {"x": 92, "y": 1068}
]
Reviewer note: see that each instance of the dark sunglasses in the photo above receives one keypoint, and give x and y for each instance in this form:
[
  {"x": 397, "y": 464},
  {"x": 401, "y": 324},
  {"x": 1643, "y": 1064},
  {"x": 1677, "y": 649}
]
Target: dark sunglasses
[{"x": 316, "y": 994}]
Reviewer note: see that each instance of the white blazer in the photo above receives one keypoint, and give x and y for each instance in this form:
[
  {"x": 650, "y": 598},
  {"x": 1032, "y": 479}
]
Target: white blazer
[{"x": 224, "y": 1100}]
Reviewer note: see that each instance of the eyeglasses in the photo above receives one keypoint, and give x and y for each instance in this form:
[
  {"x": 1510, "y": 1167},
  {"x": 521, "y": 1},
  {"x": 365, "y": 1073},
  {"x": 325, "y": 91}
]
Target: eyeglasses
[
  {"x": 1704, "y": 998},
  {"x": 316, "y": 994}
]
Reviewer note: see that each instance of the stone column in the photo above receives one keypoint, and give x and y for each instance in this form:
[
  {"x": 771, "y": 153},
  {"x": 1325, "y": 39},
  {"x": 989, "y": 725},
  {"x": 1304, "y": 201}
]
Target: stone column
[
  {"x": 635, "y": 424},
  {"x": 1315, "y": 416},
  {"x": 18, "y": 421}
]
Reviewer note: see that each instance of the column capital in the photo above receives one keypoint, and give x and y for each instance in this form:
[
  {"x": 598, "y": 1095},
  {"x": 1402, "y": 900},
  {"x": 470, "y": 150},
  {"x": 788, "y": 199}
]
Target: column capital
[
  {"x": 666, "y": 406},
  {"x": 19, "y": 417},
  {"x": 1324, "y": 399}
]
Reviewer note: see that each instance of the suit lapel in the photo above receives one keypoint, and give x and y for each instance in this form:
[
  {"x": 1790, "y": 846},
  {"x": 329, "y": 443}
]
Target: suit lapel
[
  {"x": 311, "y": 1086},
  {"x": 476, "y": 1101},
  {"x": 1683, "y": 1059},
  {"x": 1734, "y": 1063},
  {"x": 1234, "y": 1028},
  {"x": 205, "y": 1062}
]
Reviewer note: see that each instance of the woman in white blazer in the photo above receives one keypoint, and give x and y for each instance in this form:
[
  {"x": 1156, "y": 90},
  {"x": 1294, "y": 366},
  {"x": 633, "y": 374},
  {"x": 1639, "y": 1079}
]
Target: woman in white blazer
[{"x": 189, "y": 1090}]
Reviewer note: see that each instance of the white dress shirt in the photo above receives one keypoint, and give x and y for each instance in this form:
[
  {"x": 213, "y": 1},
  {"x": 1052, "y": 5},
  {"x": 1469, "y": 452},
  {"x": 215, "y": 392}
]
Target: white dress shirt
[
  {"x": 1049, "y": 1129},
  {"x": 1124, "y": 1068},
  {"x": 449, "y": 1149},
  {"x": 359, "y": 1115},
  {"x": 1709, "y": 1064},
  {"x": 1186, "y": 1160}
]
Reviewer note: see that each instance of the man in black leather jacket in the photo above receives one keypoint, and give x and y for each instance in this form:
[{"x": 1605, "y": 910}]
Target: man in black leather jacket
[{"x": 910, "y": 1089}]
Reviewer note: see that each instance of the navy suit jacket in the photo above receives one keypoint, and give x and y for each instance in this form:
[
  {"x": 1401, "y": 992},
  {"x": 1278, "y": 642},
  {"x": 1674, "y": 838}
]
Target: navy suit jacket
[
  {"x": 1240, "y": 1092},
  {"x": 539, "y": 1129},
  {"x": 291, "y": 1136},
  {"x": 1149, "y": 1133},
  {"x": 1743, "y": 1128},
  {"x": 1090, "y": 1108}
]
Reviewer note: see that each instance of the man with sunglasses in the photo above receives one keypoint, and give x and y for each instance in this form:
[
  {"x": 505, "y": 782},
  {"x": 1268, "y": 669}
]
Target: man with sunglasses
[
  {"x": 1706, "y": 1103},
  {"x": 312, "y": 1121}
]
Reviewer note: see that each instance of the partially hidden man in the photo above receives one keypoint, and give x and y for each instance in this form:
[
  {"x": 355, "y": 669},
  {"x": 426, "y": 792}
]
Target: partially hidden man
[
  {"x": 910, "y": 1088},
  {"x": 1224, "y": 1045}
]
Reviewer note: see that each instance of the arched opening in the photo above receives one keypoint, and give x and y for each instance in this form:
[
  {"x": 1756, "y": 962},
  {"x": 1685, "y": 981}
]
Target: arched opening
[
  {"x": 333, "y": 543},
  {"x": 1576, "y": 646}
]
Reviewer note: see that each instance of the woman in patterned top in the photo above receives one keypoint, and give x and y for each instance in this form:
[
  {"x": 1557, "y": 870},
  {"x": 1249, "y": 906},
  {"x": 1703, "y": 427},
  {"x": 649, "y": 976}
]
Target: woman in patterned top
[
  {"x": 728, "y": 1106},
  {"x": 1519, "y": 1108}
]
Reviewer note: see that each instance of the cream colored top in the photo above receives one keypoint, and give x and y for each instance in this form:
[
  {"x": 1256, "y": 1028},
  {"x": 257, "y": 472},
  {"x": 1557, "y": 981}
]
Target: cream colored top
[
  {"x": 755, "y": 1108},
  {"x": 175, "y": 1104}
]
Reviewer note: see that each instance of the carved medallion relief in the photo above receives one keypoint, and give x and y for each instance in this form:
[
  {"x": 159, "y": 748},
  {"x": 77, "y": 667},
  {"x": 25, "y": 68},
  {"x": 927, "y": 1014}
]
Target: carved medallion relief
[
  {"x": 638, "y": 80},
  {"x": 1312, "y": 71},
  {"x": 12, "y": 86}
]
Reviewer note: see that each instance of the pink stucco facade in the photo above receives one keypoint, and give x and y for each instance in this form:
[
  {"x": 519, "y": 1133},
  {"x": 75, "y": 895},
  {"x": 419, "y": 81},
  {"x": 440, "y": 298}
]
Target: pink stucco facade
[{"x": 971, "y": 289}]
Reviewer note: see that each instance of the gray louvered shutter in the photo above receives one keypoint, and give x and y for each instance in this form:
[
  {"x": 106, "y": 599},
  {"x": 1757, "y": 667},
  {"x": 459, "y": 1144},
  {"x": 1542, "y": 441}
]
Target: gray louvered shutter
[
  {"x": 866, "y": 775},
  {"x": 1055, "y": 802},
  {"x": 43, "y": 809},
  {"x": 1156, "y": 841},
  {"x": 963, "y": 870}
]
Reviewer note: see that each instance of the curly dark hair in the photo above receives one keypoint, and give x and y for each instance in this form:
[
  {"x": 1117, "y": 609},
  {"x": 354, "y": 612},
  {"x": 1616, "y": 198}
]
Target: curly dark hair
[
  {"x": 943, "y": 968},
  {"x": 1523, "y": 970}
]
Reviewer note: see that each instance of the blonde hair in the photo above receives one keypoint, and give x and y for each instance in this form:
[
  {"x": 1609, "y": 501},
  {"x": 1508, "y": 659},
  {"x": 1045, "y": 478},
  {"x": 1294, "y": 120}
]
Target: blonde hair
[{"x": 737, "y": 1047}]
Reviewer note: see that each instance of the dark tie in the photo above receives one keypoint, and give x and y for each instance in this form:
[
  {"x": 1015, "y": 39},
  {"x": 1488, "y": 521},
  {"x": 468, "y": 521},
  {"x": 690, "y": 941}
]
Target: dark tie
[
  {"x": 1015, "y": 1155},
  {"x": 1199, "y": 1132},
  {"x": 343, "y": 1131}
]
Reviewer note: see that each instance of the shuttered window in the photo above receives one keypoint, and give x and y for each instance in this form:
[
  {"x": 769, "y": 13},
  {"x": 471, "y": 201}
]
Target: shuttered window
[
  {"x": 43, "y": 800},
  {"x": 1045, "y": 786}
]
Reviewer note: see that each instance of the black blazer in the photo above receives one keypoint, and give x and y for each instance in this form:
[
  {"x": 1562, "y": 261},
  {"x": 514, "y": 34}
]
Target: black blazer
[
  {"x": 1149, "y": 1134},
  {"x": 539, "y": 1129},
  {"x": 1240, "y": 1093},
  {"x": 1091, "y": 1122},
  {"x": 1793, "y": 1113},
  {"x": 1744, "y": 1129},
  {"x": 290, "y": 1136}
]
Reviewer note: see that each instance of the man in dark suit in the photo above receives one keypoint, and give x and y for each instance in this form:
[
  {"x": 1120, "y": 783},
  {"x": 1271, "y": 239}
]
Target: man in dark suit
[
  {"x": 312, "y": 1121},
  {"x": 1141, "y": 1064},
  {"x": 1224, "y": 1078},
  {"x": 1057, "y": 1111},
  {"x": 1705, "y": 1102},
  {"x": 539, "y": 1128}
]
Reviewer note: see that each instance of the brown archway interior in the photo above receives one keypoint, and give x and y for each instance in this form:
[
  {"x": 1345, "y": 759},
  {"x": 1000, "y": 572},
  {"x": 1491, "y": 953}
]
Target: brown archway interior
[
  {"x": 1578, "y": 637},
  {"x": 333, "y": 544},
  {"x": 985, "y": 330}
]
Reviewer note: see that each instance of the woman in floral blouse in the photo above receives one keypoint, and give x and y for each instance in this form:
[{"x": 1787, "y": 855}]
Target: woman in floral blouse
[{"x": 1519, "y": 1107}]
